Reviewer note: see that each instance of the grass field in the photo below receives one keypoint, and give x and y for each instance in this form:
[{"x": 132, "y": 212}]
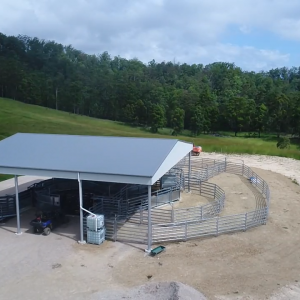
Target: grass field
[
  {"x": 5, "y": 177},
  {"x": 19, "y": 117}
]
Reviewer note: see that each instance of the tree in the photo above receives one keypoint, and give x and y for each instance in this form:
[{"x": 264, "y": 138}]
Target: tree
[
  {"x": 197, "y": 121},
  {"x": 218, "y": 96},
  {"x": 260, "y": 119},
  {"x": 278, "y": 111},
  {"x": 236, "y": 110},
  {"x": 250, "y": 115},
  {"x": 177, "y": 121},
  {"x": 157, "y": 117}
]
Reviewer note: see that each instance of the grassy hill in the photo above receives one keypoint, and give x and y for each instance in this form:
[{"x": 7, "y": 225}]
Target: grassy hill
[{"x": 19, "y": 117}]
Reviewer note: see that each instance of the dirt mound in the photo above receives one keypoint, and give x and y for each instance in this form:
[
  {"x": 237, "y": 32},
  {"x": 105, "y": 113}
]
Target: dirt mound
[{"x": 154, "y": 291}]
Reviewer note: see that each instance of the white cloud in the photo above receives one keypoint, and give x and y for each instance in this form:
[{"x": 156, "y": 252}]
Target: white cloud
[
  {"x": 190, "y": 31},
  {"x": 289, "y": 28}
]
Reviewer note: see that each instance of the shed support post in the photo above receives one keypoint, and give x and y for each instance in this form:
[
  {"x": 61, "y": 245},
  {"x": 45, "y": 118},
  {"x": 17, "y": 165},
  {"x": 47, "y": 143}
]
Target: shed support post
[
  {"x": 81, "y": 241},
  {"x": 149, "y": 221},
  {"x": 19, "y": 232},
  {"x": 189, "y": 182}
]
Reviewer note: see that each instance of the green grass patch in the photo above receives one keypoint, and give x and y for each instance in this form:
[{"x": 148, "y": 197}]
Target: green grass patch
[
  {"x": 5, "y": 177},
  {"x": 19, "y": 117}
]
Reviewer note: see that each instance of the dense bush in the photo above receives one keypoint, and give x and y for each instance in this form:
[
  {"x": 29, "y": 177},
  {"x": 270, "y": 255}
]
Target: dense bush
[{"x": 283, "y": 143}]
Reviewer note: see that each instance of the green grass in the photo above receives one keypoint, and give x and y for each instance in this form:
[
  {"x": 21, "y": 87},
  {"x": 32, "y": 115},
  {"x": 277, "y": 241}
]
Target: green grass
[
  {"x": 5, "y": 177},
  {"x": 19, "y": 117}
]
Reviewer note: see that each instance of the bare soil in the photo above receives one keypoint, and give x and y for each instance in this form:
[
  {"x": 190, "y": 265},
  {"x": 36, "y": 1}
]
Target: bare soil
[
  {"x": 262, "y": 263},
  {"x": 191, "y": 200},
  {"x": 245, "y": 265},
  {"x": 240, "y": 193}
]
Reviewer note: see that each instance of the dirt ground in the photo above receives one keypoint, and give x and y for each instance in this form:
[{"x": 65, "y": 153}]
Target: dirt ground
[
  {"x": 262, "y": 263},
  {"x": 240, "y": 193},
  {"x": 191, "y": 200}
]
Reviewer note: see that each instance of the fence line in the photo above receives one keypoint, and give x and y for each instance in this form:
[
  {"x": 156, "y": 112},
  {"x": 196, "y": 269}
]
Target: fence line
[
  {"x": 8, "y": 204},
  {"x": 210, "y": 227},
  {"x": 190, "y": 228},
  {"x": 208, "y": 210},
  {"x": 127, "y": 218},
  {"x": 187, "y": 223}
]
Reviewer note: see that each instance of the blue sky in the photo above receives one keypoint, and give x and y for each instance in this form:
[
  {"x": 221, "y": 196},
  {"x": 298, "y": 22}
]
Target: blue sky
[
  {"x": 264, "y": 39},
  {"x": 254, "y": 34}
]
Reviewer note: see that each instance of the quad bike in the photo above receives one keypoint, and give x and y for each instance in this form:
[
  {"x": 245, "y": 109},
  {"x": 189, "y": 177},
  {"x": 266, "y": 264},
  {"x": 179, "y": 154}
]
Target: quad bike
[{"x": 45, "y": 222}]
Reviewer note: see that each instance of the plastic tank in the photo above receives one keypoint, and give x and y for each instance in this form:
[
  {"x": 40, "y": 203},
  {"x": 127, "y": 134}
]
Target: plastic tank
[
  {"x": 95, "y": 222},
  {"x": 96, "y": 237}
]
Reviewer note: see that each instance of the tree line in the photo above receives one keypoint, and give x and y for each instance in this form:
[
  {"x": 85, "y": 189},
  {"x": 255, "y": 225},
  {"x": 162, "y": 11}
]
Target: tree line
[{"x": 202, "y": 99}]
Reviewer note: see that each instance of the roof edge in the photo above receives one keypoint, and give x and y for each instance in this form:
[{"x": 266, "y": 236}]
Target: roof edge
[
  {"x": 100, "y": 136},
  {"x": 169, "y": 162},
  {"x": 128, "y": 179}
]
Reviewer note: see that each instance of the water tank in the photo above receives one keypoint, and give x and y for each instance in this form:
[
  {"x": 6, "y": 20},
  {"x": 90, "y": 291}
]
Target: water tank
[
  {"x": 96, "y": 237},
  {"x": 95, "y": 222}
]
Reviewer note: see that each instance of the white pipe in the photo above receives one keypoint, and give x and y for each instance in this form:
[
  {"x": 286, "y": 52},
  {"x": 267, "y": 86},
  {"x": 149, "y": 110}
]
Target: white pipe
[
  {"x": 82, "y": 241},
  {"x": 88, "y": 211}
]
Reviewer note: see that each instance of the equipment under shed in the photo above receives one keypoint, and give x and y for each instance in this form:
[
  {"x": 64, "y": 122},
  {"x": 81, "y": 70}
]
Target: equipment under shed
[{"x": 119, "y": 160}]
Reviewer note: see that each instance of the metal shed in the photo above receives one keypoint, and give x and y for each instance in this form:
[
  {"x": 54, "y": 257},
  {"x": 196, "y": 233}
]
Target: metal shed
[{"x": 98, "y": 158}]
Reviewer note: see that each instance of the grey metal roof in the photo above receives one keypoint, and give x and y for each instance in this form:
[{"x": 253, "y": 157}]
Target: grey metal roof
[{"x": 114, "y": 159}]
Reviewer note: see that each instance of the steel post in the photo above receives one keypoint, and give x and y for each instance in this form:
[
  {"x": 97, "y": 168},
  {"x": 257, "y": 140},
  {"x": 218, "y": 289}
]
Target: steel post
[
  {"x": 172, "y": 213},
  {"x": 81, "y": 241},
  {"x": 115, "y": 228},
  {"x": 189, "y": 182},
  {"x": 149, "y": 221},
  {"x": 141, "y": 214},
  {"x": 17, "y": 206}
]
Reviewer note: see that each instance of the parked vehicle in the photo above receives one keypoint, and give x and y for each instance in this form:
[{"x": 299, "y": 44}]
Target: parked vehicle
[
  {"x": 196, "y": 150},
  {"x": 45, "y": 222}
]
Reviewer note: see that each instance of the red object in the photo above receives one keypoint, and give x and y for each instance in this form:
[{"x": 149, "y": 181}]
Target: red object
[{"x": 196, "y": 150}]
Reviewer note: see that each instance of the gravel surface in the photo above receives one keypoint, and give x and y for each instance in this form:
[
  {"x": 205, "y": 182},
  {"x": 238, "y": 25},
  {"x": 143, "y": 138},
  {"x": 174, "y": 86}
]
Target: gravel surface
[
  {"x": 154, "y": 291},
  {"x": 261, "y": 263}
]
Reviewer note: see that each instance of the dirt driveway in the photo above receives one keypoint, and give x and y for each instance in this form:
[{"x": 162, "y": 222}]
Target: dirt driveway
[{"x": 247, "y": 265}]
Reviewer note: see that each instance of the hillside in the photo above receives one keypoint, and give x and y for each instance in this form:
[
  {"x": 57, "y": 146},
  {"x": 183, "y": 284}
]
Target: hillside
[
  {"x": 199, "y": 98},
  {"x": 19, "y": 117}
]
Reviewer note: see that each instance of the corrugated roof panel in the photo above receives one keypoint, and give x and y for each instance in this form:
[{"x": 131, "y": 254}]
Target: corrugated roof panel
[{"x": 90, "y": 154}]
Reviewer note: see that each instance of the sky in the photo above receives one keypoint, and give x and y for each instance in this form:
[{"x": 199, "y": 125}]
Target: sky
[{"x": 254, "y": 34}]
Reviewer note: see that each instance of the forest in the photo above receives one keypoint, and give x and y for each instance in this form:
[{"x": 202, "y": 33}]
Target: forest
[{"x": 200, "y": 98}]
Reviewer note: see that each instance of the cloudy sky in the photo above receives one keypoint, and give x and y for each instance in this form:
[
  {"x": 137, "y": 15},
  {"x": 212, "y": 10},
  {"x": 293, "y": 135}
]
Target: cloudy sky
[{"x": 254, "y": 34}]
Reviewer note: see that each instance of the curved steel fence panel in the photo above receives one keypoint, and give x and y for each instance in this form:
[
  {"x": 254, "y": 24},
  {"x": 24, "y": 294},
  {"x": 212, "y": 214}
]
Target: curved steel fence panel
[{"x": 195, "y": 222}]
